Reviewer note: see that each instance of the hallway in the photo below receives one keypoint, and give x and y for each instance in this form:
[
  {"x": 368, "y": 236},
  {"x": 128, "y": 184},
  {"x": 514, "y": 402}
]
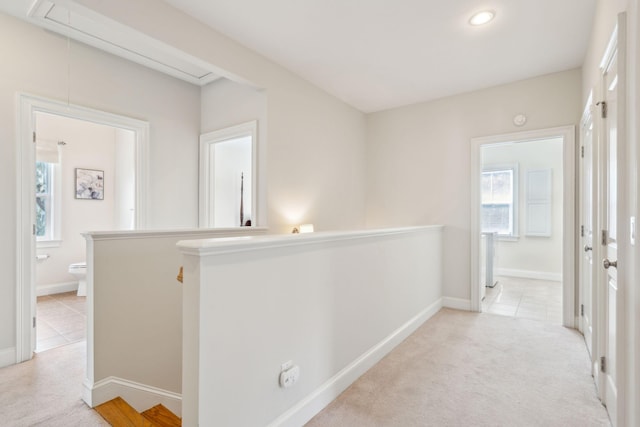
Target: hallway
[
  {"x": 457, "y": 369},
  {"x": 470, "y": 369},
  {"x": 46, "y": 391}
]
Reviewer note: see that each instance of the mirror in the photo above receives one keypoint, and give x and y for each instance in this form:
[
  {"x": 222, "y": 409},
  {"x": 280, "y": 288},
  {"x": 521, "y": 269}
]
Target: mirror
[{"x": 228, "y": 177}]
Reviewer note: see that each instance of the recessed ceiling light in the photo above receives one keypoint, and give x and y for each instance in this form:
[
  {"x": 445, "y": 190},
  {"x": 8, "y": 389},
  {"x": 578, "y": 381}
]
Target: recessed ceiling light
[{"x": 482, "y": 18}]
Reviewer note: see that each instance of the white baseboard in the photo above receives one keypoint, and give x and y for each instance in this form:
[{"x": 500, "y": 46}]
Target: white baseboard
[
  {"x": 527, "y": 274},
  {"x": 456, "y": 303},
  {"x": 140, "y": 396},
  {"x": 308, "y": 407},
  {"x": 7, "y": 356},
  {"x": 56, "y": 288}
]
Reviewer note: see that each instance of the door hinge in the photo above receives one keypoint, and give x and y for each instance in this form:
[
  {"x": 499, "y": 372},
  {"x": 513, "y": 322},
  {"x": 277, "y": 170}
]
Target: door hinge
[
  {"x": 582, "y": 151},
  {"x": 34, "y": 137},
  {"x": 34, "y": 322},
  {"x": 33, "y": 229},
  {"x": 603, "y": 364},
  {"x": 603, "y": 109},
  {"x": 605, "y": 237},
  {"x": 582, "y": 310},
  {"x": 582, "y": 231}
]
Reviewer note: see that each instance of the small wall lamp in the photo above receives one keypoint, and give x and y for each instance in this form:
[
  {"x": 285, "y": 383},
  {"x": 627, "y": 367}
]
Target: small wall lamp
[
  {"x": 482, "y": 18},
  {"x": 303, "y": 228}
]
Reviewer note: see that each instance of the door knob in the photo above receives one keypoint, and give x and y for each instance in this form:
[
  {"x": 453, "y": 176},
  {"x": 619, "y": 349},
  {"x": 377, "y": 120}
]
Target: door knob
[
  {"x": 587, "y": 248},
  {"x": 606, "y": 263}
]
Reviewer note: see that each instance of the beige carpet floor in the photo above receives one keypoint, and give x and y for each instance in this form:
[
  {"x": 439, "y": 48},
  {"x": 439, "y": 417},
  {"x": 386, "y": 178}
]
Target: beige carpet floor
[
  {"x": 46, "y": 391},
  {"x": 469, "y": 369},
  {"x": 458, "y": 369}
]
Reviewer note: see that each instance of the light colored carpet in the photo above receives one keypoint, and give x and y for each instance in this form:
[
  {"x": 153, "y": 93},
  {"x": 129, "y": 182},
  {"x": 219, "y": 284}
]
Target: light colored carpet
[
  {"x": 46, "y": 391},
  {"x": 469, "y": 369},
  {"x": 458, "y": 369}
]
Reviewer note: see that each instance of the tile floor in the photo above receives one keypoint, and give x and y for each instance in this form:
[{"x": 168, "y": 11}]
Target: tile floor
[
  {"x": 526, "y": 298},
  {"x": 61, "y": 320}
]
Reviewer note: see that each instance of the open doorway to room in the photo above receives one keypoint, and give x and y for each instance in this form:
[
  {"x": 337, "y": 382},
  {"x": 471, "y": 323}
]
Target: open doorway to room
[
  {"x": 521, "y": 229},
  {"x": 522, "y": 217},
  {"x": 85, "y": 180},
  {"x": 79, "y": 170}
]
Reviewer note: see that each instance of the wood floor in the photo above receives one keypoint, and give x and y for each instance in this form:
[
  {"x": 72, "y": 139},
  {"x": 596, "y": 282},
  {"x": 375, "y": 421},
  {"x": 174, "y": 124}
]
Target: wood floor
[{"x": 119, "y": 413}]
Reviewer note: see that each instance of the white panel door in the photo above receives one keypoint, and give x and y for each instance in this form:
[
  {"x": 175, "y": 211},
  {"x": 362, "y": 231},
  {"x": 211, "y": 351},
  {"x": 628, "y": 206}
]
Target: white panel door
[
  {"x": 610, "y": 204},
  {"x": 611, "y": 236},
  {"x": 587, "y": 216}
]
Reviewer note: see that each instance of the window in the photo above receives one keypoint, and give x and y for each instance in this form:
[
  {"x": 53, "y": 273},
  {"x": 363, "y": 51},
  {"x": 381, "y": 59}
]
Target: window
[
  {"x": 498, "y": 187},
  {"x": 47, "y": 218}
]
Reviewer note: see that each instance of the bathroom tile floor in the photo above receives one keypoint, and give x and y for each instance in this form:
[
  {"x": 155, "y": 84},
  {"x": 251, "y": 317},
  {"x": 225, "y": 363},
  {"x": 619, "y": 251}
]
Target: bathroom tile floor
[
  {"x": 526, "y": 298},
  {"x": 61, "y": 320}
]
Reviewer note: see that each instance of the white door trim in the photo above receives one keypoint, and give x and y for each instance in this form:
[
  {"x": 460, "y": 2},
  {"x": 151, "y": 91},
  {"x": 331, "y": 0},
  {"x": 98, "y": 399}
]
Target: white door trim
[
  {"x": 207, "y": 141},
  {"x": 567, "y": 133},
  {"x": 27, "y": 106}
]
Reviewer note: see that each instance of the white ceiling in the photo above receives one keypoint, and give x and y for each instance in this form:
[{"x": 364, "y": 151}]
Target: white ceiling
[{"x": 381, "y": 54}]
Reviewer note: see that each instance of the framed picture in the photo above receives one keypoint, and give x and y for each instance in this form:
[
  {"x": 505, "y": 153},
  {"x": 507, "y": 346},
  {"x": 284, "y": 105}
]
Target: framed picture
[{"x": 89, "y": 184}]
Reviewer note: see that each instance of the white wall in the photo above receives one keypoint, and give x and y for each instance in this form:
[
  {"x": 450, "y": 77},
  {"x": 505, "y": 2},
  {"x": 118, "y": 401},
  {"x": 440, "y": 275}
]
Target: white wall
[
  {"x": 88, "y": 146},
  {"x": 534, "y": 256},
  {"x": 226, "y": 103},
  {"x": 232, "y": 175},
  {"x": 633, "y": 191},
  {"x": 315, "y": 159},
  {"x": 313, "y": 164},
  {"x": 332, "y": 303},
  {"x": 38, "y": 62},
  {"x": 418, "y": 157},
  {"x": 136, "y": 305},
  {"x": 632, "y": 299},
  {"x": 125, "y": 180}
]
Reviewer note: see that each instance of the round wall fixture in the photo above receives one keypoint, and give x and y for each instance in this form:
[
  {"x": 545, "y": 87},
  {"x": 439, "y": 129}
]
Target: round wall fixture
[{"x": 519, "y": 119}]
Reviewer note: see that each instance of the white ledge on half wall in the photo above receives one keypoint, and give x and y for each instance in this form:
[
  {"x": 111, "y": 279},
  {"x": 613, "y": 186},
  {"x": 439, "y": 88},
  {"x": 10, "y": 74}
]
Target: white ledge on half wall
[
  {"x": 248, "y": 243},
  {"x": 183, "y": 232}
]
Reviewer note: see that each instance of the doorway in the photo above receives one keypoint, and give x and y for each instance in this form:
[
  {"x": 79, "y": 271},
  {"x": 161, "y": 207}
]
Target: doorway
[
  {"x": 521, "y": 226},
  {"x": 520, "y": 214},
  {"x": 31, "y": 108},
  {"x": 85, "y": 180}
]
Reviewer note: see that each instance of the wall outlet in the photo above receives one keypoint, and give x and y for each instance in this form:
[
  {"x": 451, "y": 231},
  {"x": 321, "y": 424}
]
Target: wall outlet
[
  {"x": 286, "y": 365},
  {"x": 290, "y": 376}
]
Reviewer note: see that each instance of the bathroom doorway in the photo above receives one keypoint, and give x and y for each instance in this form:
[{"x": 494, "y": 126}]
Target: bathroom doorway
[
  {"x": 85, "y": 180},
  {"x": 522, "y": 236},
  {"x": 80, "y": 170}
]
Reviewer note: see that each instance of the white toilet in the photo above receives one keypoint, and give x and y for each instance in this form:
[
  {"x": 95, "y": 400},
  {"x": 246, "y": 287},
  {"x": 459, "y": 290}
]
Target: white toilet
[{"x": 79, "y": 270}]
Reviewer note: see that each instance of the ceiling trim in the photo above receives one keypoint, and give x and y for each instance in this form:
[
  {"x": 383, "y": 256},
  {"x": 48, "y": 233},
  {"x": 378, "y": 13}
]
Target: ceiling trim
[{"x": 94, "y": 29}]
